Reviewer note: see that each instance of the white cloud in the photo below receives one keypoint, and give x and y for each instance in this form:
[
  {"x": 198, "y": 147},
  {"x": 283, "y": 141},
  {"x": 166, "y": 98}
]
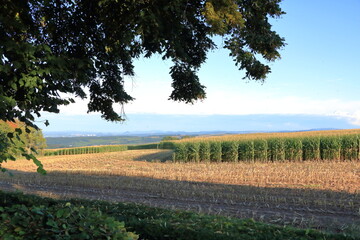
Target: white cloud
[
  {"x": 352, "y": 117},
  {"x": 152, "y": 97},
  {"x": 240, "y": 104}
]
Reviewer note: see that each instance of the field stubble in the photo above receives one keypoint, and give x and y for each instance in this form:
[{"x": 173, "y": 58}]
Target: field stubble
[{"x": 324, "y": 195}]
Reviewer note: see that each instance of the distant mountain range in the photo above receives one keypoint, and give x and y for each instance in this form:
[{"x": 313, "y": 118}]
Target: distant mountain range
[
  {"x": 159, "y": 133},
  {"x": 155, "y": 124}
]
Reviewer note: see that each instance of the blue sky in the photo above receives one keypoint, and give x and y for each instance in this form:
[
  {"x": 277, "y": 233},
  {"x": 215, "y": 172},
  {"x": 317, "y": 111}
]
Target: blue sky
[{"x": 314, "y": 85}]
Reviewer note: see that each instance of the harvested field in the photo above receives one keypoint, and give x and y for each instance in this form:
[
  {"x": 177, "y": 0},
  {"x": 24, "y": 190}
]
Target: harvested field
[{"x": 322, "y": 195}]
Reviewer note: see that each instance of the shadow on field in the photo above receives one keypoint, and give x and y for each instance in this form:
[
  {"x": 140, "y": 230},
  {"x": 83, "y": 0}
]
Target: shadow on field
[
  {"x": 156, "y": 157},
  {"x": 320, "y": 209}
]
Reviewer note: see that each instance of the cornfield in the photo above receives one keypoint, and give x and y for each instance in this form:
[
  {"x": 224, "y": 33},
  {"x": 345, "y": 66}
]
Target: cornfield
[
  {"x": 259, "y": 147},
  {"x": 316, "y": 147},
  {"x": 85, "y": 150},
  {"x": 252, "y": 136}
]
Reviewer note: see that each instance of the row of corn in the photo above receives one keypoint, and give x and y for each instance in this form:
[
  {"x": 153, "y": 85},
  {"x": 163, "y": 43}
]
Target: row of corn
[
  {"x": 86, "y": 150},
  {"x": 346, "y": 147}
]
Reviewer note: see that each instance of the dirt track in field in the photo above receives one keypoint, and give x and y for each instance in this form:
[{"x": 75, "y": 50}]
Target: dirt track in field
[{"x": 128, "y": 177}]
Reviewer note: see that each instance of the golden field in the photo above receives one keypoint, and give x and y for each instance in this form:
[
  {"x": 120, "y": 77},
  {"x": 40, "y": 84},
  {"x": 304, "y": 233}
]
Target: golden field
[
  {"x": 335, "y": 176},
  {"x": 251, "y": 136},
  {"x": 317, "y": 194}
]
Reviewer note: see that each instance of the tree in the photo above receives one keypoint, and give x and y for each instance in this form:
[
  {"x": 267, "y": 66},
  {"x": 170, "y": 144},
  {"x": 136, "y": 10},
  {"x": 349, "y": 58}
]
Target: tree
[
  {"x": 18, "y": 139},
  {"x": 52, "y": 47},
  {"x": 33, "y": 141},
  {"x": 170, "y": 138}
]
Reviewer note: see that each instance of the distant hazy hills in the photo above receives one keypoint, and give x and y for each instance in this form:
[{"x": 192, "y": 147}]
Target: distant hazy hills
[
  {"x": 80, "y": 139},
  {"x": 156, "y": 124}
]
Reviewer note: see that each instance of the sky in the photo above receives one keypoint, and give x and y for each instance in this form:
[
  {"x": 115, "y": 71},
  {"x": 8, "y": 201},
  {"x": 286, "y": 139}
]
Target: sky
[{"x": 314, "y": 84}]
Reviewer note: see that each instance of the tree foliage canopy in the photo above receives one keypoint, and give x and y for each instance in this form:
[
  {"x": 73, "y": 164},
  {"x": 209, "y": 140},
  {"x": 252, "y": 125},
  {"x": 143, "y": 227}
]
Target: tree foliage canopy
[
  {"x": 18, "y": 139},
  {"x": 52, "y": 47}
]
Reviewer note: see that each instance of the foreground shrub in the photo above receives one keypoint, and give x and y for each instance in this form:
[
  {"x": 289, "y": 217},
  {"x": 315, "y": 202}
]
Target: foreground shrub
[
  {"x": 150, "y": 223},
  {"x": 62, "y": 221}
]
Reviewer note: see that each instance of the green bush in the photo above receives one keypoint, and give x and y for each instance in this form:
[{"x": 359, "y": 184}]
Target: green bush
[
  {"x": 62, "y": 221},
  {"x": 148, "y": 222}
]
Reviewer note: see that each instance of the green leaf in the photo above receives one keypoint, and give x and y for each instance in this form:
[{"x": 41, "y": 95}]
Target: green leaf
[
  {"x": 51, "y": 223},
  {"x": 59, "y": 213},
  {"x": 41, "y": 170},
  {"x": 18, "y": 130},
  {"x": 33, "y": 150}
]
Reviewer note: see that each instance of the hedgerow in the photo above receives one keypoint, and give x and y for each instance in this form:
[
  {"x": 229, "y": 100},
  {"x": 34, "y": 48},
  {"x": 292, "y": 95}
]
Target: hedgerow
[
  {"x": 61, "y": 221},
  {"x": 86, "y": 150},
  {"x": 148, "y": 222}
]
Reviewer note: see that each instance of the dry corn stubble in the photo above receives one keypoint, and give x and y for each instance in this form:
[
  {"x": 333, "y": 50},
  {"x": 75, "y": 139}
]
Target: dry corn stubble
[
  {"x": 305, "y": 188},
  {"x": 334, "y": 175}
]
